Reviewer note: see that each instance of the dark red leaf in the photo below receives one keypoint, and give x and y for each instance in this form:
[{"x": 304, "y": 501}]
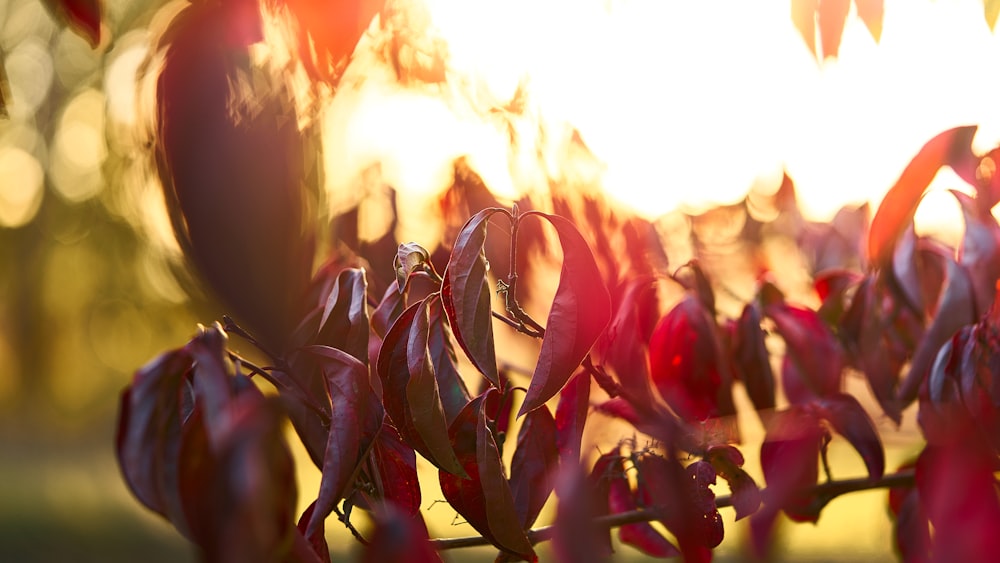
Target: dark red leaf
[
  {"x": 685, "y": 502},
  {"x": 344, "y": 324},
  {"x": 832, "y": 17},
  {"x": 451, "y": 386},
  {"x": 685, "y": 363},
  {"x": 233, "y": 177},
  {"x": 534, "y": 465},
  {"x": 871, "y": 12},
  {"x": 398, "y": 538},
  {"x": 811, "y": 346},
  {"x": 623, "y": 346},
  {"x": 571, "y": 417},
  {"x": 466, "y": 295},
  {"x": 952, "y": 147},
  {"x": 317, "y": 541},
  {"x": 693, "y": 278},
  {"x": 958, "y": 490},
  {"x": 956, "y": 309},
  {"x": 789, "y": 457},
  {"x": 850, "y": 420},
  {"x": 396, "y": 463},
  {"x": 750, "y": 360},
  {"x": 728, "y": 463},
  {"x": 422, "y": 396},
  {"x": 912, "y": 529},
  {"x": 149, "y": 433},
  {"x": 355, "y": 420},
  {"x": 580, "y": 312},
  {"x": 483, "y": 498},
  {"x": 640, "y": 535},
  {"x": 388, "y": 310},
  {"x": 82, "y": 16}
]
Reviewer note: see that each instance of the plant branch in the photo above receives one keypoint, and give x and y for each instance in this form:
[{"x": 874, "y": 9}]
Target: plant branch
[{"x": 825, "y": 491}]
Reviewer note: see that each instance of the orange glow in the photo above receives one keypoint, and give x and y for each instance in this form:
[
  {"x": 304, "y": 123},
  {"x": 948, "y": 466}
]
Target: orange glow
[{"x": 684, "y": 104}]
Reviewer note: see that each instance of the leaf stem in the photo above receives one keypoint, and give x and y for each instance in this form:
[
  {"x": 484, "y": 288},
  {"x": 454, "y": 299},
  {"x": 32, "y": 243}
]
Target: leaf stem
[{"x": 827, "y": 491}]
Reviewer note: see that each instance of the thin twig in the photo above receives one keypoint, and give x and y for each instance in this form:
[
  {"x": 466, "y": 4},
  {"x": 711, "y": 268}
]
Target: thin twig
[{"x": 828, "y": 491}]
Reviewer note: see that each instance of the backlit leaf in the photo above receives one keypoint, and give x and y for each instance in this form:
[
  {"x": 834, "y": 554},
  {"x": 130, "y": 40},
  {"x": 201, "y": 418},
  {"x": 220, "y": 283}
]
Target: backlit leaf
[
  {"x": 534, "y": 465},
  {"x": 850, "y": 420},
  {"x": 398, "y": 538},
  {"x": 484, "y": 498},
  {"x": 344, "y": 324},
  {"x": 580, "y": 312},
  {"x": 832, "y": 17},
  {"x": 980, "y": 250},
  {"x": 952, "y": 147},
  {"x": 355, "y": 420},
  {"x": 466, "y": 295},
  {"x": 82, "y": 16},
  {"x": 640, "y": 535},
  {"x": 750, "y": 359},
  {"x": 396, "y": 463},
  {"x": 789, "y": 457},
  {"x": 810, "y": 345},
  {"x": 871, "y": 13},
  {"x": 571, "y": 416},
  {"x": 728, "y": 463},
  {"x": 451, "y": 386},
  {"x": 804, "y": 18},
  {"x": 422, "y": 396}
]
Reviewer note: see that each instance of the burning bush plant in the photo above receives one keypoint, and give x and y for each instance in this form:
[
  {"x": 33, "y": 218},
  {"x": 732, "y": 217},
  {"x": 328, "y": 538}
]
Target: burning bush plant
[{"x": 388, "y": 352}]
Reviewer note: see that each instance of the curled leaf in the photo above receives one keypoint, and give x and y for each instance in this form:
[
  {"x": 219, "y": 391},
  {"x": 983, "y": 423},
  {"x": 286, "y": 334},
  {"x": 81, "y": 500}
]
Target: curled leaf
[
  {"x": 580, "y": 312},
  {"x": 466, "y": 295},
  {"x": 850, "y": 420}
]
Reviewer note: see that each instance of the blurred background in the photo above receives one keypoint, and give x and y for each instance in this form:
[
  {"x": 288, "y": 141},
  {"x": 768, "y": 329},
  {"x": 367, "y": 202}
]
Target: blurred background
[{"x": 682, "y": 105}]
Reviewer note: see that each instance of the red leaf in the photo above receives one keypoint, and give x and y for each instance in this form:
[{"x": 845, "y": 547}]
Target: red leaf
[
  {"x": 451, "y": 386},
  {"x": 466, "y": 296},
  {"x": 850, "y": 420},
  {"x": 912, "y": 529},
  {"x": 397, "y": 470},
  {"x": 789, "y": 457},
  {"x": 344, "y": 324},
  {"x": 804, "y": 18},
  {"x": 871, "y": 12},
  {"x": 422, "y": 396},
  {"x": 832, "y": 16},
  {"x": 356, "y": 418},
  {"x": 750, "y": 360},
  {"x": 571, "y": 417},
  {"x": 728, "y": 463},
  {"x": 534, "y": 465},
  {"x": 82, "y": 16},
  {"x": 685, "y": 362},
  {"x": 388, "y": 310},
  {"x": 810, "y": 345},
  {"x": 956, "y": 309},
  {"x": 149, "y": 433},
  {"x": 640, "y": 535},
  {"x": 687, "y": 505},
  {"x": 580, "y": 312},
  {"x": 623, "y": 346},
  {"x": 952, "y": 147},
  {"x": 484, "y": 498},
  {"x": 233, "y": 178},
  {"x": 398, "y": 538}
]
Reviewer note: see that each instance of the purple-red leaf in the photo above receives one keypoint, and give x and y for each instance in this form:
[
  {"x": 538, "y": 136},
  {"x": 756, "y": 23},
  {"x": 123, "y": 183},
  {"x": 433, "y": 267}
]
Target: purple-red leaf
[
  {"x": 640, "y": 535},
  {"x": 850, "y": 420},
  {"x": 422, "y": 395},
  {"x": 571, "y": 417},
  {"x": 817, "y": 356},
  {"x": 533, "y": 468},
  {"x": 451, "y": 386},
  {"x": 952, "y": 147},
  {"x": 355, "y": 420},
  {"x": 789, "y": 457},
  {"x": 686, "y": 362},
  {"x": 980, "y": 251},
  {"x": 149, "y": 432},
  {"x": 396, "y": 463},
  {"x": 750, "y": 360},
  {"x": 955, "y": 310},
  {"x": 580, "y": 312},
  {"x": 623, "y": 346},
  {"x": 575, "y": 536},
  {"x": 344, "y": 323},
  {"x": 728, "y": 463},
  {"x": 483, "y": 498},
  {"x": 685, "y": 502},
  {"x": 466, "y": 295},
  {"x": 398, "y": 538}
]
